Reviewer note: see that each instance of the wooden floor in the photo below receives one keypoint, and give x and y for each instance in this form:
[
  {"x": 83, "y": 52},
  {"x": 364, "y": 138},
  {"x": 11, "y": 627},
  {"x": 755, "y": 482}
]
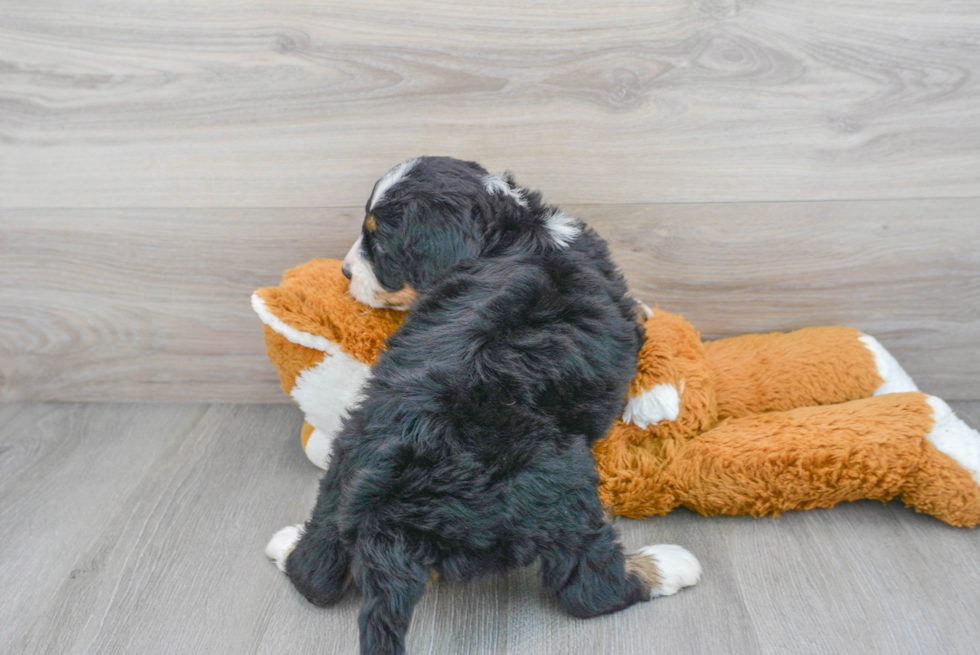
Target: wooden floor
[{"x": 140, "y": 528}]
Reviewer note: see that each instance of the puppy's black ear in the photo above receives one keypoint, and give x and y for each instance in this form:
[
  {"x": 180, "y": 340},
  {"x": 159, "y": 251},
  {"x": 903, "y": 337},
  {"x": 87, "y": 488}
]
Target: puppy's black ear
[
  {"x": 511, "y": 214},
  {"x": 473, "y": 166},
  {"x": 502, "y": 191},
  {"x": 431, "y": 237}
]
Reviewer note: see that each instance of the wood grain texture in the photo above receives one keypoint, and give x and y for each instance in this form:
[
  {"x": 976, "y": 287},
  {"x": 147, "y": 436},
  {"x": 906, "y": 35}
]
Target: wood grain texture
[
  {"x": 153, "y": 304},
  {"x": 201, "y": 103},
  {"x": 141, "y": 528}
]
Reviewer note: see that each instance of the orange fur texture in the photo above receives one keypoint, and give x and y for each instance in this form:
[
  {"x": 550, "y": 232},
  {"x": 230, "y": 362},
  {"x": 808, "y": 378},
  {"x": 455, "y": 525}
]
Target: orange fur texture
[
  {"x": 767, "y": 423},
  {"x": 313, "y": 299}
]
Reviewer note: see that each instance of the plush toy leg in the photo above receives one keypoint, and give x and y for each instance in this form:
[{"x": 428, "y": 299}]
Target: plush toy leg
[
  {"x": 947, "y": 481},
  {"x": 758, "y": 373},
  {"x": 634, "y": 480},
  {"x": 894, "y": 379},
  {"x": 316, "y": 445},
  {"x": 819, "y": 456}
]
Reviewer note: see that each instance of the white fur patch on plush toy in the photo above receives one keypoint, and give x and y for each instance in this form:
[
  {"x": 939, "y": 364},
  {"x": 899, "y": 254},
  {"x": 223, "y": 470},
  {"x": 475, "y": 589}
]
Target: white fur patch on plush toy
[
  {"x": 896, "y": 380},
  {"x": 305, "y": 339},
  {"x": 324, "y": 393},
  {"x": 319, "y": 447},
  {"x": 952, "y": 436},
  {"x": 660, "y": 403}
]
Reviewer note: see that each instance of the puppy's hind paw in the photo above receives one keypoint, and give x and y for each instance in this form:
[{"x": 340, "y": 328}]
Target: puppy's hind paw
[
  {"x": 665, "y": 568},
  {"x": 283, "y": 543}
]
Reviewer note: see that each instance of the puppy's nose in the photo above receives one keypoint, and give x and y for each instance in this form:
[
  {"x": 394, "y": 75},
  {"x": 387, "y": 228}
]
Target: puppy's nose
[{"x": 345, "y": 269}]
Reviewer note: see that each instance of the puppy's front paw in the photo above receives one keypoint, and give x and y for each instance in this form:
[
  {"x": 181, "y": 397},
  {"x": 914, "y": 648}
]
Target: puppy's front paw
[
  {"x": 283, "y": 543},
  {"x": 666, "y": 568}
]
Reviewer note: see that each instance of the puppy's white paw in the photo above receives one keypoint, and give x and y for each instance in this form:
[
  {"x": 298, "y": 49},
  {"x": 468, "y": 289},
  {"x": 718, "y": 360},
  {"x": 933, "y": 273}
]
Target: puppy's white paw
[
  {"x": 283, "y": 543},
  {"x": 676, "y": 568}
]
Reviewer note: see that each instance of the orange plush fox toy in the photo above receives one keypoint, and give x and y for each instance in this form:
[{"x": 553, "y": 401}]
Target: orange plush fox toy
[{"x": 755, "y": 425}]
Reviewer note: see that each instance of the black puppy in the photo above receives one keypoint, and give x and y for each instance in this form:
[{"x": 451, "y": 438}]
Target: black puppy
[{"x": 470, "y": 450}]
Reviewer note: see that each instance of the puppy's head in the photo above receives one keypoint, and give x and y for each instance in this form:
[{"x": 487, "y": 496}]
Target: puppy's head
[{"x": 424, "y": 216}]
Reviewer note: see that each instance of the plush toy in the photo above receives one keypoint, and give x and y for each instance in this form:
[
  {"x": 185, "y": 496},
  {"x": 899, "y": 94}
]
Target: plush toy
[{"x": 756, "y": 424}]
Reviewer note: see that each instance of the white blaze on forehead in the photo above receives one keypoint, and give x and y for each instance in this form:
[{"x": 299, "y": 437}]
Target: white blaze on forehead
[
  {"x": 563, "y": 228},
  {"x": 390, "y": 179},
  {"x": 494, "y": 184}
]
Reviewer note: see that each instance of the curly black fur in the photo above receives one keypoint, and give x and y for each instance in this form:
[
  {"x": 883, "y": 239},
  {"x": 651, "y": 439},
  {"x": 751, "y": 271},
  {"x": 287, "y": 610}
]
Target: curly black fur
[{"x": 470, "y": 452}]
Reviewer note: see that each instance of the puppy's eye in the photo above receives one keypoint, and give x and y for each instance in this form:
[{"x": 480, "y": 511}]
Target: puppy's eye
[{"x": 370, "y": 223}]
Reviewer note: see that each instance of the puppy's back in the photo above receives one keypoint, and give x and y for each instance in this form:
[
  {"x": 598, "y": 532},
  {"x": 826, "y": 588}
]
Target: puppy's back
[{"x": 503, "y": 369}]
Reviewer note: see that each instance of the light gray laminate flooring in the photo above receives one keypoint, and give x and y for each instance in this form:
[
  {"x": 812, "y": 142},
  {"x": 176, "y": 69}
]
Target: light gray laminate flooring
[{"x": 140, "y": 528}]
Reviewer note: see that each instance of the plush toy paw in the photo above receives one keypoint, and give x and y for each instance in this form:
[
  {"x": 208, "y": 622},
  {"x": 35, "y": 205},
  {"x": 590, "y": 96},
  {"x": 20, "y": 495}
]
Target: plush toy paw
[
  {"x": 894, "y": 378},
  {"x": 282, "y": 544},
  {"x": 952, "y": 436},
  {"x": 666, "y": 568},
  {"x": 661, "y": 403}
]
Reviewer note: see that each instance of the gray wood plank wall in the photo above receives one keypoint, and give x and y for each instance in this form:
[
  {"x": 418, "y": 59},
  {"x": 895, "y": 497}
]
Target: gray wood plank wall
[{"x": 755, "y": 166}]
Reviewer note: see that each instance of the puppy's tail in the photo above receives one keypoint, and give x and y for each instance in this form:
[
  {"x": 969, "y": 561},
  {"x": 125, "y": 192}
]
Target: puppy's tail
[{"x": 392, "y": 581}]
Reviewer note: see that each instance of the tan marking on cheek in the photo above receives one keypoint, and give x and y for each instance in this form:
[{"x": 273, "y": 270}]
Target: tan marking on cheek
[
  {"x": 645, "y": 567},
  {"x": 370, "y": 223},
  {"x": 401, "y": 298}
]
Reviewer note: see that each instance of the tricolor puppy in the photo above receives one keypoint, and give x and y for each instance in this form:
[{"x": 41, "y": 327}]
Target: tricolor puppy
[{"x": 469, "y": 452}]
